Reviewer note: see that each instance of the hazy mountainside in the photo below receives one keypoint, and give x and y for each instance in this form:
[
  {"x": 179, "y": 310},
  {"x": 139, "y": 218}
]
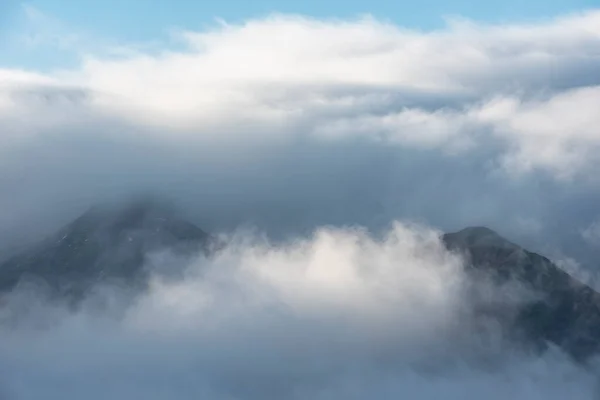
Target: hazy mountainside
[
  {"x": 566, "y": 313},
  {"x": 111, "y": 245},
  {"x": 105, "y": 244}
]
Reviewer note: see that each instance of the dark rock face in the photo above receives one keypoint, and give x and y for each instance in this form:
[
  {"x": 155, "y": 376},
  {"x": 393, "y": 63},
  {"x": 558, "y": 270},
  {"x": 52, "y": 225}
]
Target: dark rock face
[
  {"x": 106, "y": 244},
  {"x": 566, "y": 313}
]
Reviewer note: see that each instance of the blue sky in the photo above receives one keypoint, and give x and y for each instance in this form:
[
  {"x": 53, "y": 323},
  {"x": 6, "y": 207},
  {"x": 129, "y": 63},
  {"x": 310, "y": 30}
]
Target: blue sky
[{"x": 139, "y": 21}]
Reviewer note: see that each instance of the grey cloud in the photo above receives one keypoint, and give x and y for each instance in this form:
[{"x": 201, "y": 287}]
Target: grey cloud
[
  {"x": 282, "y": 183},
  {"x": 371, "y": 125}
]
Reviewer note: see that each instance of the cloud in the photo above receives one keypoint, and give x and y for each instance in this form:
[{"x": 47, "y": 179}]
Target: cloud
[
  {"x": 290, "y": 122},
  {"x": 321, "y": 133},
  {"x": 323, "y": 76},
  {"x": 337, "y": 314},
  {"x": 592, "y": 233}
]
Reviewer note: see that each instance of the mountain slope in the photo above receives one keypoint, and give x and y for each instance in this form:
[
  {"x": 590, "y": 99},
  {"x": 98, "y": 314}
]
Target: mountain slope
[
  {"x": 105, "y": 244},
  {"x": 567, "y": 312}
]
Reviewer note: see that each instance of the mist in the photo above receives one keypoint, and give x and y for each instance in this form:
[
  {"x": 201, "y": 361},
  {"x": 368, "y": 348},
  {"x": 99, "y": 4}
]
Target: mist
[
  {"x": 338, "y": 314},
  {"x": 329, "y": 155}
]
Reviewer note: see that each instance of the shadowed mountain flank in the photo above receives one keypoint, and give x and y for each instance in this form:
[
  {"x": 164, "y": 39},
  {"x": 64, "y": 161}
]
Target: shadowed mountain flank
[
  {"x": 107, "y": 244},
  {"x": 566, "y": 311}
]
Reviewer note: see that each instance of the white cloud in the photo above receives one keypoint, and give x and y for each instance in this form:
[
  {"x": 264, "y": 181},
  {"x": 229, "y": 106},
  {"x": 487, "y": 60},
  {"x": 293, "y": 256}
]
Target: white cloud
[
  {"x": 340, "y": 314},
  {"x": 287, "y": 74},
  {"x": 558, "y": 133}
]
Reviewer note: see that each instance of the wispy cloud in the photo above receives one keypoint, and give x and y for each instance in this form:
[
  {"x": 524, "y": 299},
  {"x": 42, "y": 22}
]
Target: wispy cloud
[{"x": 43, "y": 30}]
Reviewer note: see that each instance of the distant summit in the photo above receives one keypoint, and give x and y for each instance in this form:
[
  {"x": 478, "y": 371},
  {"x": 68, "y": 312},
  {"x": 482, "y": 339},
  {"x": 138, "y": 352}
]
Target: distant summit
[
  {"x": 108, "y": 243},
  {"x": 147, "y": 221},
  {"x": 478, "y": 236}
]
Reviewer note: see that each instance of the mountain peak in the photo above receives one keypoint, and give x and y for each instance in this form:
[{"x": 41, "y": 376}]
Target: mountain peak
[
  {"x": 478, "y": 236},
  {"x": 129, "y": 214},
  {"x": 150, "y": 216},
  {"x": 106, "y": 242},
  {"x": 478, "y": 231}
]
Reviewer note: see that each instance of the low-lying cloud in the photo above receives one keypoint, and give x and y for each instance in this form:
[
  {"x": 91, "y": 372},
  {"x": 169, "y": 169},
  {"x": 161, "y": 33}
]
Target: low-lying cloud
[{"x": 339, "y": 314}]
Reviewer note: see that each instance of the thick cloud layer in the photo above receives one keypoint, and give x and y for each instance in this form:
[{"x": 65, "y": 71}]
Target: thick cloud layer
[
  {"x": 337, "y": 315},
  {"x": 290, "y": 123}
]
